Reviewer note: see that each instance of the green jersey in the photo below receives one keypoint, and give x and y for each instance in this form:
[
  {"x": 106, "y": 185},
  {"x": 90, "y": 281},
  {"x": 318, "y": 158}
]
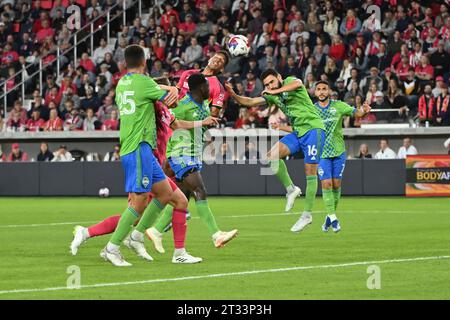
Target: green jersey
[
  {"x": 135, "y": 94},
  {"x": 332, "y": 116},
  {"x": 298, "y": 107},
  {"x": 188, "y": 142}
]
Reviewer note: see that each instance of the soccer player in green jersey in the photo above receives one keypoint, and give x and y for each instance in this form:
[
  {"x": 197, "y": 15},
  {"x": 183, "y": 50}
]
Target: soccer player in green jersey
[
  {"x": 184, "y": 154},
  {"x": 332, "y": 162},
  {"x": 292, "y": 98},
  {"x": 135, "y": 97}
]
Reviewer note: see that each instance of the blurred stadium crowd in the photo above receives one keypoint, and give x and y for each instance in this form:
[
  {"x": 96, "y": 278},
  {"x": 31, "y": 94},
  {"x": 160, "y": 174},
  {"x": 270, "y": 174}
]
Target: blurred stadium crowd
[{"x": 397, "y": 58}]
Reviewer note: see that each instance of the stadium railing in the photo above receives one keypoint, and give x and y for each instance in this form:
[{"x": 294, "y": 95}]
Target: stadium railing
[{"x": 74, "y": 37}]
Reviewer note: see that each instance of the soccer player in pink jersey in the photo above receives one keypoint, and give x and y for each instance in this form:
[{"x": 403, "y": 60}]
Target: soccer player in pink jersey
[
  {"x": 216, "y": 65},
  {"x": 164, "y": 119}
]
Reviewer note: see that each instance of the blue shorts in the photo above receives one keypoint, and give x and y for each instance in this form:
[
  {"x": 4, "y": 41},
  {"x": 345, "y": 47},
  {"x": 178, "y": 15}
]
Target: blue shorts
[
  {"x": 184, "y": 165},
  {"x": 311, "y": 144},
  {"x": 332, "y": 168},
  {"x": 142, "y": 170}
]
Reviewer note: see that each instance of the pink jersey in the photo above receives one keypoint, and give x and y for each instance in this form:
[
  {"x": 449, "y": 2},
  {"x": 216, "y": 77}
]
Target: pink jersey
[
  {"x": 163, "y": 120},
  {"x": 217, "y": 92}
]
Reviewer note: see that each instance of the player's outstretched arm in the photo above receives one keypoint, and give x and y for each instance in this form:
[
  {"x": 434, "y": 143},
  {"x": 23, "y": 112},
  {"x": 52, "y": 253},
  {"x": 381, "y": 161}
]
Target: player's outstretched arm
[
  {"x": 245, "y": 101},
  {"x": 183, "y": 124},
  {"x": 171, "y": 98},
  {"x": 291, "y": 86},
  {"x": 364, "y": 110},
  {"x": 282, "y": 127}
]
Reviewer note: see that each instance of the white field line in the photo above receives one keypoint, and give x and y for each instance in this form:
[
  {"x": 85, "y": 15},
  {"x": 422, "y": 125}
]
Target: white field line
[
  {"x": 220, "y": 217},
  {"x": 229, "y": 274}
]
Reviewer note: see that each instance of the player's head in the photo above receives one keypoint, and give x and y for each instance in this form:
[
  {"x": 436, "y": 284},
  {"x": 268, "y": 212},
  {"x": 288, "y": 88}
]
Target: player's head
[
  {"x": 218, "y": 61},
  {"x": 198, "y": 85},
  {"x": 162, "y": 80},
  {"x": 322, "y": 90},
  {"x": 135, "y": 57},
  {"x": 271, "y": 79}
]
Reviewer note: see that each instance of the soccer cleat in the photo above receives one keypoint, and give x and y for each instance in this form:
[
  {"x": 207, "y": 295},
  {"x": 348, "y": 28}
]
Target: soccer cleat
[
  {"x": 115, "y": 258},
  {"x": 78, "y": 239},
  {"x": 223, "y": 237},
  {"x": 302, "y": 223},
  {"x": 185, "y": 257},
  {"x": 138, "y": 247},
  {"x": 336, "y": 226},
  {"x": 290, "y": 196},
  {"x": 156, "y": 238},
  {"x": 327, "y": 224}
]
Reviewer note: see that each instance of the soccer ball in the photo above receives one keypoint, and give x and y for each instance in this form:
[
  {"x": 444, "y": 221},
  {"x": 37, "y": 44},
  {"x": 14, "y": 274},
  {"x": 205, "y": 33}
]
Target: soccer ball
[
  {"x": 238, "y": 45},
  {"x": 103, "y": 193}
]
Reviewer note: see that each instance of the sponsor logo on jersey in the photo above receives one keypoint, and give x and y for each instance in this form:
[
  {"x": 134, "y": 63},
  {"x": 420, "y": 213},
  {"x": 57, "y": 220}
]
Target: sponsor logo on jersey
[{"x": 320, "y": 172}]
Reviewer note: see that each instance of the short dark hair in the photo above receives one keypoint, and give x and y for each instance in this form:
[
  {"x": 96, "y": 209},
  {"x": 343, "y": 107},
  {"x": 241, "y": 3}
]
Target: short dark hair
[
  {"x": 322, "y": 82},
  {"x": 269, "y": 72},
  {"x": 226, "y": 55},
  {"x": 195, "y": 81},
  {"x": 134, "y": 55}
]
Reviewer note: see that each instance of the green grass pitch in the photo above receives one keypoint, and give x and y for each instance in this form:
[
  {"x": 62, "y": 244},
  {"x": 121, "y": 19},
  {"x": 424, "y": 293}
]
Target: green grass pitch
[{"x": 265, "y": 261}]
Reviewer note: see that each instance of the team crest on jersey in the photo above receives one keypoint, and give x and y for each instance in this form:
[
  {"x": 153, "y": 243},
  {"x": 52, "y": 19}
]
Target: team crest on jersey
[
  {"x": 320, "y": 172},
  {"x": 145, "y": 181},
  {"x": 333, "y": 110}
]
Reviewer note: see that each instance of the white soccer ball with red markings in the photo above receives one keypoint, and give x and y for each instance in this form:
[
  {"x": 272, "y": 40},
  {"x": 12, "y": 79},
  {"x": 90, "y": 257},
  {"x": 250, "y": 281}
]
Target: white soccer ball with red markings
[
  {"x": 103, "y": 193},
  {"x": 238, "y": 45}
]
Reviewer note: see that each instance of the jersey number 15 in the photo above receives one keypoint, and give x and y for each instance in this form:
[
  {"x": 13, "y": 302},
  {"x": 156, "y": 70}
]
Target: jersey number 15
[{"x": 126, "y": 104}]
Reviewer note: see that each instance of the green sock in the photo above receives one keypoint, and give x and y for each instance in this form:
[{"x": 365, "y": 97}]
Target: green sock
[
  {"x": 165, "y": 219},
  {"x": 150, "y": 215},
  {"x": 311, "y": 190},
  {"x": 328, "y": 200},
  {"x": 129, "y": 216},
  {"x": 337, "y": 197},
  {"x": 279, "y": 168},
  {"x": 206, "y": 216}
]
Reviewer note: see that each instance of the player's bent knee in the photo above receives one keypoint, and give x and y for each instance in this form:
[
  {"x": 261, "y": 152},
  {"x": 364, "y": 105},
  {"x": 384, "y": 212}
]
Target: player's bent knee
[
  {"x": 179, "y": 200},
  {"x": 327, "y": 184}
]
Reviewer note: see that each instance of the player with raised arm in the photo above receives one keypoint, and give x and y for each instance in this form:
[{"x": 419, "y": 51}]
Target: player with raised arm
[
  {"x": 135, "y": 97},
  {"x": 164, "y": 119},
  {"x": 184, "y": 153},
  {"x": 292, "y": 98},
  {"x": 216, "y": 65},
  {"x": 332, "y": 162}
]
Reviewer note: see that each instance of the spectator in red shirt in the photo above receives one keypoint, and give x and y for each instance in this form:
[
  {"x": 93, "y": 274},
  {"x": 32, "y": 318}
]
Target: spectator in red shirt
[
  {"x": 45, "y": 32},
  {"x": 165, "y": 18},
  {"x": 54, "y": 95},
  {"x": 54, "y": 123},
  {"x": 9, "y": 55},
  {"x": 337, "y": 49},
  {"x": 112, "y": 123},
  {"x": 187, "y": 28},
  {"x": 15, "y": 123},
  {"x": 87, "y": 63},
  {"x": 119, "y": 74},
  {"x": 402, "y": 68},
  {"x": 36, "y": 123},
  {"x": 19, "y": 110},
  {"x": 17, "y": 154},
  {"x": 424, "y": 71},
  {"x": 66, "y": 83},
  {"x": 426, "y": 105}
]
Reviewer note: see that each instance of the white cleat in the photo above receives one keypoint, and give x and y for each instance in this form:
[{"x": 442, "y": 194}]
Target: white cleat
[
  {"x": 156, "y": 238},
  {"x": 138, "y": 247},
  {"x": 221, "y": 238},
  {"x": 185, "y": 257},
  {"x": 291, "y": 196},
  {"x": 78, "y": 239},
  {"x": 302, "y": 223},
  {"x": 114, "y": 257}
]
